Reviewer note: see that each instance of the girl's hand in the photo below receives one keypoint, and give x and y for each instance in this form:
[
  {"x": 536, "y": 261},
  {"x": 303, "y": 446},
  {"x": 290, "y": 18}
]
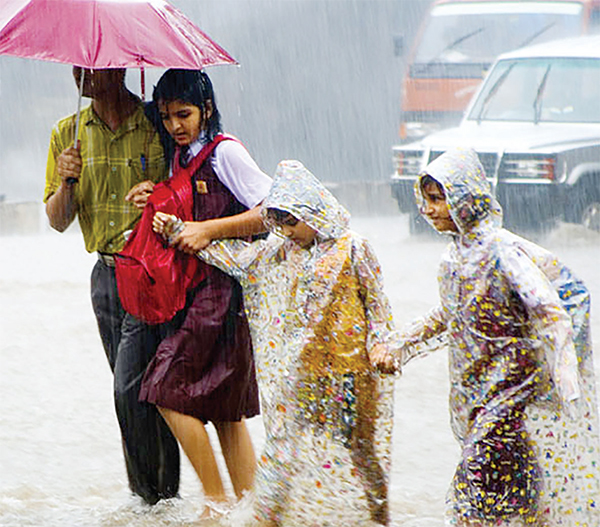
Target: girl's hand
[
  {"x": 382, "y": 359},
  {"x": 194, "y": 237},
  {"x": 140, "y": 193}
]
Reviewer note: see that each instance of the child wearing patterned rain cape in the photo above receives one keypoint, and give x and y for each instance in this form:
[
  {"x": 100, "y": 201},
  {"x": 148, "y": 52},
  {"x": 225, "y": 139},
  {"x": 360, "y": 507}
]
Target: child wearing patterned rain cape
[
  {"x": 522, "y": 398},
  {"x": 314, "y": 299}
]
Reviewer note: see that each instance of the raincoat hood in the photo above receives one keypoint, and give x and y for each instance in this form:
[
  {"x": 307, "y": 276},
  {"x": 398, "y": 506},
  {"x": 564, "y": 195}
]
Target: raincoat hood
[
  {"x": 297, "y": 191},
  {"x": 468, "y": 193}
]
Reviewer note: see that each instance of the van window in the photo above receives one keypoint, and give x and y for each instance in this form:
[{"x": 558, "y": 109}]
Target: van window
[{"x": 462, "y": 38}]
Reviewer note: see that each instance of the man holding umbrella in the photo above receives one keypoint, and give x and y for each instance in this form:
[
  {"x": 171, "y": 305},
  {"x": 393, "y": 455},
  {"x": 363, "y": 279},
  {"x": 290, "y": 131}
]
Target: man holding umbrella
[
  {"x": 101, "y": 168},
  {"x": 104, "y": 178}
]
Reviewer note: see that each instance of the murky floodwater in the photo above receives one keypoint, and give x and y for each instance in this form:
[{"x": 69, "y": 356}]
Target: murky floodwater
[{"x": 60, "y": 455}]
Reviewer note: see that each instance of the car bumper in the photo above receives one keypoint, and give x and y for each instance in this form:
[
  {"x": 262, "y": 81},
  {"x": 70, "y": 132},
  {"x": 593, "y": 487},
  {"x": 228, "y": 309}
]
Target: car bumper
[{"x": 529, "y": 204}]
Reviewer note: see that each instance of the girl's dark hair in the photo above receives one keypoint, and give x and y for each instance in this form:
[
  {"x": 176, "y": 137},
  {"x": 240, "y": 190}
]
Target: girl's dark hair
[
  {"x": 281, "y": 216},
  {"x": 190, "y": 86},
  {"x": 426, "y": 179}
]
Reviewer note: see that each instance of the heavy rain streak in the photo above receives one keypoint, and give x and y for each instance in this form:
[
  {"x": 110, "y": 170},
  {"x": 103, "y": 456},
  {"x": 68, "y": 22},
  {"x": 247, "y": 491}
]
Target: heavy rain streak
[{"x": 344, "y": 87}]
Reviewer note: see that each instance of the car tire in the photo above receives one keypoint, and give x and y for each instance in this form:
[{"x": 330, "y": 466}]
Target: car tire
[
  {"x": 590, "y": 215},
  {"x": 585, "y": 203}
]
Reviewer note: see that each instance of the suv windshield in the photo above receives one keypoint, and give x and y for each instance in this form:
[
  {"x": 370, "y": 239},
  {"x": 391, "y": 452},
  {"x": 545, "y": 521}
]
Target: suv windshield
[
  {"x": 540, "y": 90},
  {"x": 460, "y": 38}
]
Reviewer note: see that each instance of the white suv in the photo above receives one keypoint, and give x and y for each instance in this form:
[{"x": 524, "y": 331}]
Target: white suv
[{"x": 535, "y": 123}]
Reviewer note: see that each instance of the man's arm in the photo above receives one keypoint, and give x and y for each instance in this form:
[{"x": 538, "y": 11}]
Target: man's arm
[{"x": 61, "y": 207}]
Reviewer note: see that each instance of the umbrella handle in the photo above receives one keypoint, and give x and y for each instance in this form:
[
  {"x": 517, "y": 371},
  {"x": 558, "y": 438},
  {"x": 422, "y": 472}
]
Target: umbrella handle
[{"x": 72, "y": 180}]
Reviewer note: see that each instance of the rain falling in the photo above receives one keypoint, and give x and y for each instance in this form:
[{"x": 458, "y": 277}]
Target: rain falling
[{"x": 323, "y": 82}]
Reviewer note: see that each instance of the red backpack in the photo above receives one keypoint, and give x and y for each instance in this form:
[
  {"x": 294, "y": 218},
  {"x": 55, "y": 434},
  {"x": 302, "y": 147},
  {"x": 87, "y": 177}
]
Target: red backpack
[{"x": 153, "y": 277}]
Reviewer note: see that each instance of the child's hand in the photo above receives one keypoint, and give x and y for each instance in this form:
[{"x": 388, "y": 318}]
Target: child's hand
[
  {"x": 169, "y": 226},
  {"x": 382, "y": 359},
  {"x": 160, "y": 222}
]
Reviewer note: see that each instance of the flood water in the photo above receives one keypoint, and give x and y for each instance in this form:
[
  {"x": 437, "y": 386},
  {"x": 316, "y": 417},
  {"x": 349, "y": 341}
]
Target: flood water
[{"x": 60, "y": 455}]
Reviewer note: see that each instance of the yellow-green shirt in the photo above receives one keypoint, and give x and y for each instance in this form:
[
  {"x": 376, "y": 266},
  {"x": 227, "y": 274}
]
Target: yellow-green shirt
[{"x": 113, "y": 162}]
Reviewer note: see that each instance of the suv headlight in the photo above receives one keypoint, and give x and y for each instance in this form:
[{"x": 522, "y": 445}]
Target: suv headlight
[{"x": 530, "y": 167}]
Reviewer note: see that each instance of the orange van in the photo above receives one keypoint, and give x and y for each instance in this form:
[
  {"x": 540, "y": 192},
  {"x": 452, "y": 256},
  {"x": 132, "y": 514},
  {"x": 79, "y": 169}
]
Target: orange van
[{"x": 458, "y": 41}]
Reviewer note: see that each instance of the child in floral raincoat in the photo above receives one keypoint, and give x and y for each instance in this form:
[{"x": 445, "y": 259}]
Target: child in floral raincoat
[
  {"x": 314, "y": 299},
  {"x": 522, "y": 398}
]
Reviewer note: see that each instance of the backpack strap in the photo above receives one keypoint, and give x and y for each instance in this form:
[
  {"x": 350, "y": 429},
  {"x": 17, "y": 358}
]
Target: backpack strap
[{"x": 180, "y": 183}]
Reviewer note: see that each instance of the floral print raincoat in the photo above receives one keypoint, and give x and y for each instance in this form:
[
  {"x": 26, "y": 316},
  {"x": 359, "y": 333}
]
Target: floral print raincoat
[
  {"x": 523, "y": 404},
  {"x": 314, "y": 314}
]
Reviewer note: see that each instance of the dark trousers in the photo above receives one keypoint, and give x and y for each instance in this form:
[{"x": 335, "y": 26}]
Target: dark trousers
[{"x": 151, "y": 451}]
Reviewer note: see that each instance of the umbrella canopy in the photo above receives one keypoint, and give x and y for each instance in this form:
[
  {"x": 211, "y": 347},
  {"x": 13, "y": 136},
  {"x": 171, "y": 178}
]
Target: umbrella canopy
[{"x": 99, "y": 34}]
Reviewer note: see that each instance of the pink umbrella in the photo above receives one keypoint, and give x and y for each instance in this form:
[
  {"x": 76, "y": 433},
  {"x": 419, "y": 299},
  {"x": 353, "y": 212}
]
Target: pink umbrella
[
  {"x": 106, "y": 34},
  {"x": 98, "y": 34}
]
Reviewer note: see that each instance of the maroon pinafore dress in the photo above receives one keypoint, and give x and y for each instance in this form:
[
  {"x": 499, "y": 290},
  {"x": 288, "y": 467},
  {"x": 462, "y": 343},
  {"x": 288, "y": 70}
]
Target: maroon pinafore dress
[{"x": 204, "y": 365}]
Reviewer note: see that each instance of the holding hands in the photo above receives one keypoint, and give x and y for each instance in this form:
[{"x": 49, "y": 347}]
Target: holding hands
[
  {"x": 168, "y": 226},
  {"x": 383, "y": 359},
  {"x": 193, "y": 236},
  {"x": 160, "y": 222},
  {"x": 189, "y": 236}
]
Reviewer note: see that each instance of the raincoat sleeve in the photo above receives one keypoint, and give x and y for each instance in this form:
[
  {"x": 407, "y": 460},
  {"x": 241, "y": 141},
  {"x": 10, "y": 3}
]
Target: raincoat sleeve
[
  {"x": 423, "y": 335},
  {"x": 232, "y": 256},
  {"x": 378, "y": 311},
  {"x": 550, "y": 322}
]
